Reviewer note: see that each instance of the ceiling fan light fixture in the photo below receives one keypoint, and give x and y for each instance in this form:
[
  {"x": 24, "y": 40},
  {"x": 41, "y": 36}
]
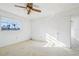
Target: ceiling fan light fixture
[{"x": 29, "y": 7}]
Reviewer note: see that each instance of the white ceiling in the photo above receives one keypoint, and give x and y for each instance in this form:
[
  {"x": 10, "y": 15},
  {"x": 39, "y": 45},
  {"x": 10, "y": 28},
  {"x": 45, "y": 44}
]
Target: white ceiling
[{"x": 47, "y": 9}]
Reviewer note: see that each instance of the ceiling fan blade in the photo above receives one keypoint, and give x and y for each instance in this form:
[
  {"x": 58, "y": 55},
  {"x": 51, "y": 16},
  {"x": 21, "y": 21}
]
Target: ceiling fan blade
[
  {"x": 20, "y": 6},
  {"x": 28, "y": 11},
  {"x": 36, "y": 10}
]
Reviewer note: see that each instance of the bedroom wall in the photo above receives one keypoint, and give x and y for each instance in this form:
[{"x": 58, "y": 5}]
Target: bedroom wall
[
  {"x": 55, "y": 29},
  {"x": 11, "y": 37},
  {"x": 41, "y": 27}
]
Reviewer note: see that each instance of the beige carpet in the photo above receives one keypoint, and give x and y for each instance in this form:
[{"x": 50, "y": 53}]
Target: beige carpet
[{"x": 35, "y": 48}]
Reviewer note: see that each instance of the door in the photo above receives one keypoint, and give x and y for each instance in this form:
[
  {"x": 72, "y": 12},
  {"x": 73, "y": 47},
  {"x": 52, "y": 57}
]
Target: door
[{"x": 75, "y": 31}]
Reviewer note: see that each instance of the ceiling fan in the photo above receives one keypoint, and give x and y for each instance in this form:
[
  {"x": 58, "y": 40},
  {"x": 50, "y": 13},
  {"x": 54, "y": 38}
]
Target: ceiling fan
[{"x": 29, "y": 7}]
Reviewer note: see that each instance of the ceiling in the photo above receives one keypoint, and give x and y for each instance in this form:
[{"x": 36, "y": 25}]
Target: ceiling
[{"x": 47, "y": 9}]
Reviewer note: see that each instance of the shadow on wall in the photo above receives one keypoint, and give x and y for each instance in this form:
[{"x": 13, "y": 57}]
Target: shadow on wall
[{"x": 53, "y": 42}]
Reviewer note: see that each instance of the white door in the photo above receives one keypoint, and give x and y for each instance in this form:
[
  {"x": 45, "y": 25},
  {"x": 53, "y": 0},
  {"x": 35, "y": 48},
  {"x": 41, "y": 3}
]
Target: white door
[{"x": 75, "y": 32}]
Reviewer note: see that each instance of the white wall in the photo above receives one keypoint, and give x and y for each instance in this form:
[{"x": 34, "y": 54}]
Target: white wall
[
  {"x": 41, "y": 27},
  {"x": 55, "y": 27},
  {"x": 11, "y": 37}
]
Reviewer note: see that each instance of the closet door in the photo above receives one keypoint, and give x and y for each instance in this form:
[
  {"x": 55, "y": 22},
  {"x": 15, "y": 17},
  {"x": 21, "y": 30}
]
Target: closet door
[{"x": 74, "y": 31}]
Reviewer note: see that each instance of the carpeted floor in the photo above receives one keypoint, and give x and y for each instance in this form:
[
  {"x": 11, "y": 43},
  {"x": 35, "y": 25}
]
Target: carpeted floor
[{"x": 35, "y": 48}]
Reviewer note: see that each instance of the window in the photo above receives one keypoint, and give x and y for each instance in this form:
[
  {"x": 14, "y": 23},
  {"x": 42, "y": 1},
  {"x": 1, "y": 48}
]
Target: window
[{"x": 9, "y": 24}]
